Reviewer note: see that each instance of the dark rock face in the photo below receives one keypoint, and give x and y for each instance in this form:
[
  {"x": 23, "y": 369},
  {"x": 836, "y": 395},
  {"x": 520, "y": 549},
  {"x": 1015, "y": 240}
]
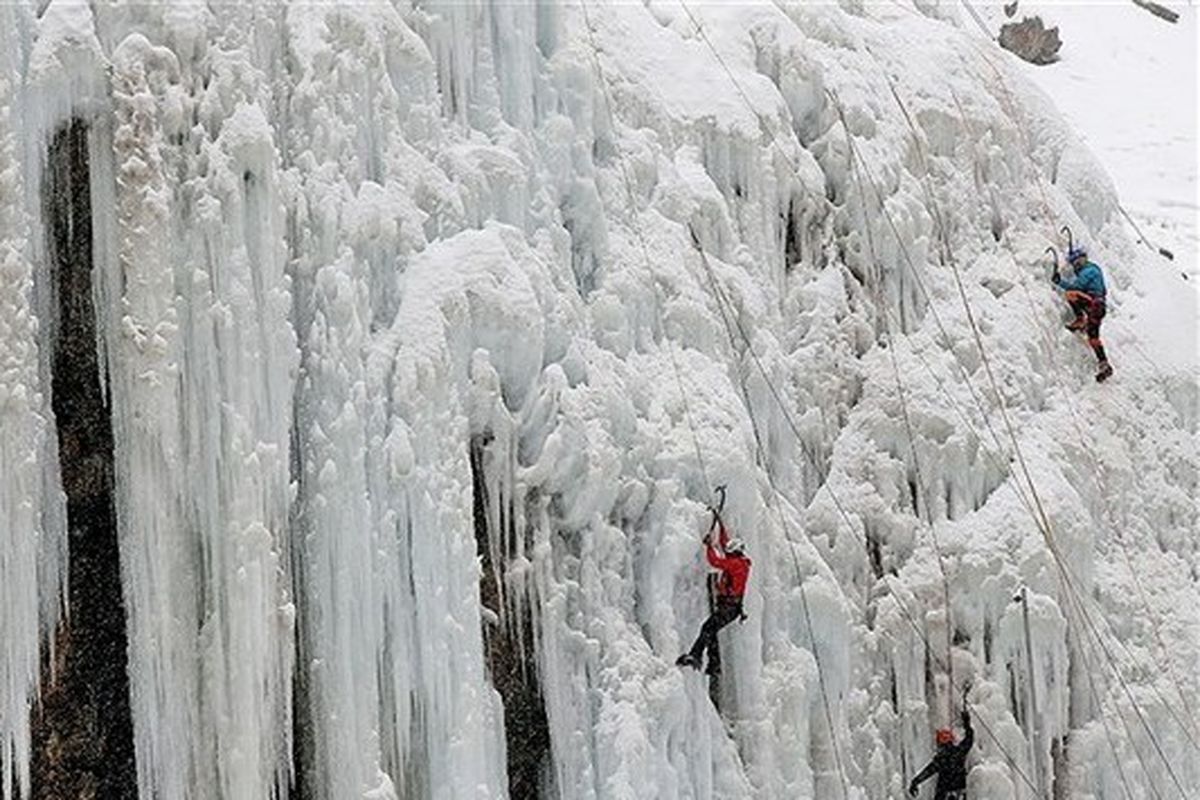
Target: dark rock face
[
  {"x": 1031, "y": 40},
  {"x": 510, "y": 653},
  {"x": 83, "y": 732}
]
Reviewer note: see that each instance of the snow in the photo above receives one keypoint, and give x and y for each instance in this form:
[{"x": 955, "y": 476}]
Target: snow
[
  {"x": 359, "y": 262},
  {"x": 1142, "y": 126},
  {"x": 1126, "y": 82}
]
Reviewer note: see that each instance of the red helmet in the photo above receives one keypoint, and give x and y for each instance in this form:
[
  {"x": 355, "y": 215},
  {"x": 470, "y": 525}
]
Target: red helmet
[{"x": 944, "y": 736}]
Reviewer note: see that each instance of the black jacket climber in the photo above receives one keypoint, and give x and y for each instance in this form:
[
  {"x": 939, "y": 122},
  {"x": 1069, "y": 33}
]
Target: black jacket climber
[{"x": 949, "y": 764}]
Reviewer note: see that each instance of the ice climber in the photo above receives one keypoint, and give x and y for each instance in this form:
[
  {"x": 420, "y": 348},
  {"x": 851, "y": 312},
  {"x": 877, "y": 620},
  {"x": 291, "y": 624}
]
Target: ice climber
[
  {"x": 949, "y": 763},
  {"x": 731, "y": 588},
  {"x": 1085, "y": 293}
]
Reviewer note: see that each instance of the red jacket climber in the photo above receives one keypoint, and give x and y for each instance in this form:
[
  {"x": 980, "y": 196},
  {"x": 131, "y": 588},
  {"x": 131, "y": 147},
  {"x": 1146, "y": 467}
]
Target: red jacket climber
[
  {"x": 729, "y": 556},
  {"x": 735, "y": 567}
]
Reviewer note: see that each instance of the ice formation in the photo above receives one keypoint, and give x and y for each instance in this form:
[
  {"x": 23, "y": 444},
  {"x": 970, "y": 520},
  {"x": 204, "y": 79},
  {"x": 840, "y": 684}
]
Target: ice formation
[{"x": 419, "y": 389}]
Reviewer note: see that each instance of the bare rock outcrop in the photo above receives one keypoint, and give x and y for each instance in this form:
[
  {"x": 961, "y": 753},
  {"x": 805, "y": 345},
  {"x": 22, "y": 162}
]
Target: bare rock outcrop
[{"x": 1031, "y": 40}]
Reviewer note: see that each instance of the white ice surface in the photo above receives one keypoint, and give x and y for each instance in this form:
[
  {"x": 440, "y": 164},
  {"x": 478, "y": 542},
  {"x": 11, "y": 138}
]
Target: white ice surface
[{"x": 338, "y": 242}]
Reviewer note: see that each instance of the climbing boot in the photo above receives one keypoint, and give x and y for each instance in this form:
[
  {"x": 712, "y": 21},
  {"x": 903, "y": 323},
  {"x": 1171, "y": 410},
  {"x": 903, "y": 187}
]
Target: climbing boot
[
  {"x": 1104, "y": 372},
  {"x": 1077, "y": 324}
]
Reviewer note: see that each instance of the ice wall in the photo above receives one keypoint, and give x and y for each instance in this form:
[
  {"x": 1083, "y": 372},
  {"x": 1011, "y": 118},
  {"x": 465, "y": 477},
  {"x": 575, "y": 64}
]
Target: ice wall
[
  {"x": 33, "y": 556},
  {"x": 339, "y": 245}
]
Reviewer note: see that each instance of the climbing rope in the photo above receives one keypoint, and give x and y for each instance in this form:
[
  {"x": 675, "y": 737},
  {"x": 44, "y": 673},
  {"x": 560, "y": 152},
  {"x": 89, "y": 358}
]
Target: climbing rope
[
  {"x": 726, "y": 313},
  {"x": 775, "y": 394},
  {"x": 978, "y": 20},
  {"x": 947, "y": 255},
  {"x": 636, "y": 225},
  {"x": 1041, "y": 518},
  {"x": 921, "y": 483},
  {"x": 946, "y": 247},
  {"x": 955, "y": 685},
  {"x": 900, "y": 387},
  {"x": 778, "y": 399},
  {"x": 1075, "y": 417},
  {"x": 1043, "y": 521},
  {"x": 1050, "y": 350},
  {"x": 1162, "y": 251},
  {"x": 758, "y": 438}
]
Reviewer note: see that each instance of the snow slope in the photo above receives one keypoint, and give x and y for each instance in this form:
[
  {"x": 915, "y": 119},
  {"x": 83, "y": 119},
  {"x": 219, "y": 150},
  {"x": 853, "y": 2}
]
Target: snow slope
[
  {"x": 1126, "y": 82},
  {"x": 400, "y": 311}
]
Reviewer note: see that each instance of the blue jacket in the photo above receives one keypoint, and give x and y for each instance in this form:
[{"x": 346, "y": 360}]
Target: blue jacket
[{"x": 1087, "y": 278}]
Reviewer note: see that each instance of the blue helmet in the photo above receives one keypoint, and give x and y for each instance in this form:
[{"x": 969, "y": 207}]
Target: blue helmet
[{"x": 1076, "y": 253}]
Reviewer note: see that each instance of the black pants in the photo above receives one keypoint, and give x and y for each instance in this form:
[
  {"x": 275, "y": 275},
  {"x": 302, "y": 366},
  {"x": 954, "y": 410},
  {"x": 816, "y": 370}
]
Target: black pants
[{"x": 728, "y": 609}]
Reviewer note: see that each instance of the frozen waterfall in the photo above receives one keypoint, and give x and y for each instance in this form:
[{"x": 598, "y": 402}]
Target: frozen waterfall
[{"x": 358, "y": 359}]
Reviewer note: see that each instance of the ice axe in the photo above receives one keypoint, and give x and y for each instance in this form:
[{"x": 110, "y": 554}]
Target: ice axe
[
  {"x": 1070, "y": 238},
  {"x": 718, "y": 508},
  {"x": 1054, "y": 255},
  {"x": 965, "y": 706}
]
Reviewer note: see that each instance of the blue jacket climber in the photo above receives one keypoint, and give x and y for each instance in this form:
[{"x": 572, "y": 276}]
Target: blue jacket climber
[
  {"x": 1085, "y": 293},
  {"x": 1088, "y": 279}
]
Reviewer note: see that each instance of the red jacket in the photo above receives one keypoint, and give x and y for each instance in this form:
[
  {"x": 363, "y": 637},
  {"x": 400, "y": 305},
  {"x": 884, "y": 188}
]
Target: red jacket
[{"x": 735, "y": 569}]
